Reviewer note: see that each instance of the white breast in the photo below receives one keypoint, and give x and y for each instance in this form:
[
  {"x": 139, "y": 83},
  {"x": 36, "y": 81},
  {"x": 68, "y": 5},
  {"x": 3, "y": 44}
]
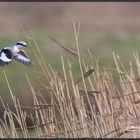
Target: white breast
[{"x": 14, "y": 49}]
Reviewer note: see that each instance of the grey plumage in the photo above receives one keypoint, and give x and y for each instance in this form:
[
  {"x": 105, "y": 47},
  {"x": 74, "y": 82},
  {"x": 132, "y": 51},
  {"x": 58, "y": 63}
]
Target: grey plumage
[{"x": 16, "y": 53}]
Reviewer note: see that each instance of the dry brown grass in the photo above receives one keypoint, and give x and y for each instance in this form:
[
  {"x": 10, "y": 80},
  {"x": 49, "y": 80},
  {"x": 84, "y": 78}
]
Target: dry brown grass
[{"x": 95, "y": 106}]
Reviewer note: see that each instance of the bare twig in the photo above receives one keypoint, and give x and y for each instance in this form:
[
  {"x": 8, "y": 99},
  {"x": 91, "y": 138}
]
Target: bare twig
[{"x": 65, "y": 47}]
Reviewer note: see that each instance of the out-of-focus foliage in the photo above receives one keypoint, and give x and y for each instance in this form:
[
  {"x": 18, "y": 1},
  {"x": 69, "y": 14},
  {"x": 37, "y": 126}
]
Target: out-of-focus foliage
[{"x": 105, "y": 27}]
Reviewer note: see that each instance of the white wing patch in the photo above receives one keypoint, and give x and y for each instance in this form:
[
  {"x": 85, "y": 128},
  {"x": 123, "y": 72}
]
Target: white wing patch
[{"x": 4, "y": 58}]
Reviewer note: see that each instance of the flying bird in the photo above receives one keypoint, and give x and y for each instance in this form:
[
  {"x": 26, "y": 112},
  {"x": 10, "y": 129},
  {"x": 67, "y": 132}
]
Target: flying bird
[{"x": 14, "y": 53}]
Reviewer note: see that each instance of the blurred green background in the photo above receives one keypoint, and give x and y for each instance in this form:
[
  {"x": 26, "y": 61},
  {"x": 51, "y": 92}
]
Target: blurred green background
[{"x": 105, "y": 27}]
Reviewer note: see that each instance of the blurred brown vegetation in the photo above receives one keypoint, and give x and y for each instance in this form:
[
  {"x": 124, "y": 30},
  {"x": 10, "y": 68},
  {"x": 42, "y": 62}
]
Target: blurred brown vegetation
[
  {"x": 59, "y": 15},
  {"x": 53, "y": 17}
]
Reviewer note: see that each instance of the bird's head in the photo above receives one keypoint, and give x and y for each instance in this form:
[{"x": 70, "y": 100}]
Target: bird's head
[{"x": 21, "y": 44}]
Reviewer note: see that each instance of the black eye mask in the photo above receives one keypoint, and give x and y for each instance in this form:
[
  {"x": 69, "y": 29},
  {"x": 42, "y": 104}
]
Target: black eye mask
[{"x": 21, "y": 44}]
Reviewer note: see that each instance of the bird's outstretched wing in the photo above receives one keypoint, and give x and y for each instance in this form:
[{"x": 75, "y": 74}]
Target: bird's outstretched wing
[
  {"x": 4, "y": 60},
  {"x": 22, "y": 58}
]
